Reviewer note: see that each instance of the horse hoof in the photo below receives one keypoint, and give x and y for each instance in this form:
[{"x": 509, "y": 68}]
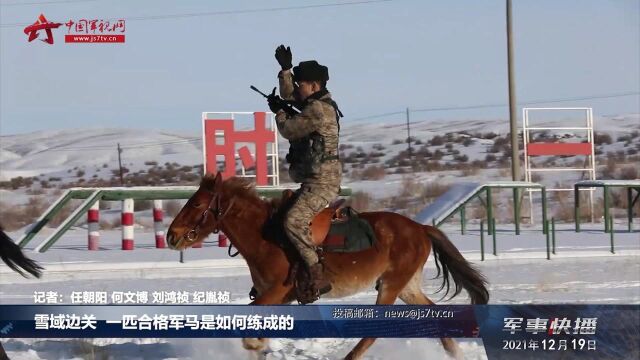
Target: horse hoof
[
  {"x": 456, "y": 355},
  {"x": 350, "y": 356},
  {"x": 253, "y": 344}
]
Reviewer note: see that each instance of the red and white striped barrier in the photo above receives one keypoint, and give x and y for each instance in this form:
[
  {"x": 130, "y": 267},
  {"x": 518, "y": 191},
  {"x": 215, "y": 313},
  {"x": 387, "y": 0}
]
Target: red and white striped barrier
[
  {"x": 158, "y": 227},
  {"x": 222, "y": 240},
  {"x": 93, "y": 225},
  {"x": 127, "y": 224}
]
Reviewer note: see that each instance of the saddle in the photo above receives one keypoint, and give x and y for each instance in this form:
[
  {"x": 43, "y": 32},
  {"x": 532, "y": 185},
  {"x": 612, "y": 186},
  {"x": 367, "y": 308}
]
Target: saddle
[
  {"x": 321, "y": 223},
  {"x": 337, "y": 227}
]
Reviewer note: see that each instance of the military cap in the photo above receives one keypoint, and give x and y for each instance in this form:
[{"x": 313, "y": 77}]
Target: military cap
[{"x": 310, "y": 71}]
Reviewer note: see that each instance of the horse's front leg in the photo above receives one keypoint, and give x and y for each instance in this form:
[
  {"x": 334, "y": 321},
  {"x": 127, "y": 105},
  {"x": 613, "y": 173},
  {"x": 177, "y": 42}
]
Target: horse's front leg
[
  {"x": 3, "y": 354},
  {"x": 275, "y": 295}
]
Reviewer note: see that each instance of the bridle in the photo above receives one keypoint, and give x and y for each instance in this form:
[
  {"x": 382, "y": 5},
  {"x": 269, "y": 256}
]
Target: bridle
[{"x": 214, "y": 208}]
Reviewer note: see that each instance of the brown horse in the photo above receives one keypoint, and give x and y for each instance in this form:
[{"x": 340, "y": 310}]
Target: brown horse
[{"x": 395, "y": 264}]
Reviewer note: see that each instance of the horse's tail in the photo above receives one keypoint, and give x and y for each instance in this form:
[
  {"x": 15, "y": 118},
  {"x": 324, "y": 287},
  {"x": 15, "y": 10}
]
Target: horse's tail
[
  {"x": 15, "y": 259},
  {"x": 453, "y": 263}
]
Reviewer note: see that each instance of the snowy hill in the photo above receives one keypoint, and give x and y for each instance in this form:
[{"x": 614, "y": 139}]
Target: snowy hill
[
  {"x": 53, "y": 153},
  {"x": 374, "y": 155}
]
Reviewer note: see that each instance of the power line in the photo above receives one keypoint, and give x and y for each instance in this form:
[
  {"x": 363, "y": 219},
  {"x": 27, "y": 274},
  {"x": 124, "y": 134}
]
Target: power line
[
  {"x": 379, "y": 115},
  {"x": 45, "y": 2},
  {"x": 449, "y": 108},
  {"x": 231, "y": 12},
  {"x": 198, "y": 140},
  {"x": 248, "y": 11},
  {"x": 124, "y": 147},
  {"x": 496, "y": 105},
  {"x": 585, "y": 98},
  {"x": 534, "y": 102},
  {"x": 160, "y": 142}
]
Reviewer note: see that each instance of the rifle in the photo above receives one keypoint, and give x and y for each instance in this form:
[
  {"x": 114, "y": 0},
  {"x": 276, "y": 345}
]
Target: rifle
[{"x": 287, "y": 106}]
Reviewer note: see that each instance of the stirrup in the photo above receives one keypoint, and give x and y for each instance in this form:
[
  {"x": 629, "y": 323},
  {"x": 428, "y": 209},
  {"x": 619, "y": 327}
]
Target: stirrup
[{"x": 324, "y": 290}]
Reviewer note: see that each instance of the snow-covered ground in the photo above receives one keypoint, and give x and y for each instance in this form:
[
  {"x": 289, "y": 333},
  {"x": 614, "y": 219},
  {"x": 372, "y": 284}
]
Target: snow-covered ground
[{"x": 582, "y": 271}]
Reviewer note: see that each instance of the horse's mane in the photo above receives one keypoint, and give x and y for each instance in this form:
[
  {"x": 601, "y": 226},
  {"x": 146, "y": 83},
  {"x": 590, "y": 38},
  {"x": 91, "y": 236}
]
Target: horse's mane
[{"x": 234, "y": 187}]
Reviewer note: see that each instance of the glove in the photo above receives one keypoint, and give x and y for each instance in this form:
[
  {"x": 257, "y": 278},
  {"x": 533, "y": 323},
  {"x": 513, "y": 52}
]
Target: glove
[
  {"x": 274, "y": 101},
  {"x": 283, "y": 55}
]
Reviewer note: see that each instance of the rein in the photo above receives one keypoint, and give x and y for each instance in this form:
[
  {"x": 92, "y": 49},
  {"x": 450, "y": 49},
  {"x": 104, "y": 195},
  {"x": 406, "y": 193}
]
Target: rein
[{"x": 214, "y": 207}]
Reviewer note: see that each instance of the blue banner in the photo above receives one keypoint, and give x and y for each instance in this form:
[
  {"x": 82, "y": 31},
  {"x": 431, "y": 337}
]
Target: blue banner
[
  {"x": 507, "y": 331},
  {"x": 184, "y": 321}
]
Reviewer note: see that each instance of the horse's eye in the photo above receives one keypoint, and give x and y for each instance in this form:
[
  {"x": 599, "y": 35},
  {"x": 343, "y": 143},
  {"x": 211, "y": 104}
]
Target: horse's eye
[{"x": 196, "y": 205}]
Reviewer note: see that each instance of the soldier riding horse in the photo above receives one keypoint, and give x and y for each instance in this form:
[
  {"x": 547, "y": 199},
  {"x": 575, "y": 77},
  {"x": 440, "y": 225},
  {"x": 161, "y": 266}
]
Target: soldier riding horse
[
  {"x": 313, "y": 158},
  {"x": 394, "y": 265}
]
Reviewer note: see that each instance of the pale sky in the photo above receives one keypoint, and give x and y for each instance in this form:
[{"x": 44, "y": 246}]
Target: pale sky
[{"x": 382, "y": 58}]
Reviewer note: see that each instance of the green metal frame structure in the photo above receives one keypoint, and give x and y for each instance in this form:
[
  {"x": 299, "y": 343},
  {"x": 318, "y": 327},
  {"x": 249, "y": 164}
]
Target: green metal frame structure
[
  {"x": 630, "y": 185},
  {"x": 486, "y": 189},
  {"x": 91, "y": 195}
]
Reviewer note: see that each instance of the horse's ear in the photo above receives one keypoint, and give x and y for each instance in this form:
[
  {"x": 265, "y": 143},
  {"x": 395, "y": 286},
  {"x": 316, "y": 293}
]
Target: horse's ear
[{"x": 217, "y": 183}]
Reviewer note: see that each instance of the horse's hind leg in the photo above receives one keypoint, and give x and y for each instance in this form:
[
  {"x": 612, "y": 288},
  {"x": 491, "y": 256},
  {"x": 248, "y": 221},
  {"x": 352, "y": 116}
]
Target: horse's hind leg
[
  {"x": 274, "y": 295},
  {"x": 412, "y": 295},
  {"x": 387, "y": 294},
  {"x": 258, "y": 347}
]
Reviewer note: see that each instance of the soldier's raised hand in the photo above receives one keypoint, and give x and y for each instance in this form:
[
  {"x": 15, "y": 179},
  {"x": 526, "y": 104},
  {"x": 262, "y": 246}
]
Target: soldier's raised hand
[{"x": 284, "y": 57}]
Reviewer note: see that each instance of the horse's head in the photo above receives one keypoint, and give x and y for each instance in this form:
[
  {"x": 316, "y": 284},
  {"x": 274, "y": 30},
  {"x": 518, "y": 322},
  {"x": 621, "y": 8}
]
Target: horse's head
[{"x": 200, "y": 216}]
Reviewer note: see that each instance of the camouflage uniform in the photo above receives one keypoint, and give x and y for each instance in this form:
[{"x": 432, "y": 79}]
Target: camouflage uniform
[{"x": 313, "y": 159}]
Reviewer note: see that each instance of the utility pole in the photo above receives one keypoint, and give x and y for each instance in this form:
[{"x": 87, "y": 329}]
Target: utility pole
[
  {"x": 120, "y": 164},
  {"x": 513, "y": 126},
  {"x": 408, "y": 135}
]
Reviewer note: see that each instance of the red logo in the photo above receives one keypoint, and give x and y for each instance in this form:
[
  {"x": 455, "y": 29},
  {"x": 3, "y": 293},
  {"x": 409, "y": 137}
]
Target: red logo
[{"x": 41, "y": 24}]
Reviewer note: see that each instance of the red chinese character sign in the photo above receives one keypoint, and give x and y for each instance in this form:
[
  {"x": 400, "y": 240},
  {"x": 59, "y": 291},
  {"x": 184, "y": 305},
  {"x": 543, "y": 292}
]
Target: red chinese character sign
[{"x": 221, "y": 139}]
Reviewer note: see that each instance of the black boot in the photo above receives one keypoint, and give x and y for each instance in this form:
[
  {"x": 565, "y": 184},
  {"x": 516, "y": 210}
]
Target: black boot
[
  {"x": 320, "y": 284},
  {"x": 312, "y": 285}
]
